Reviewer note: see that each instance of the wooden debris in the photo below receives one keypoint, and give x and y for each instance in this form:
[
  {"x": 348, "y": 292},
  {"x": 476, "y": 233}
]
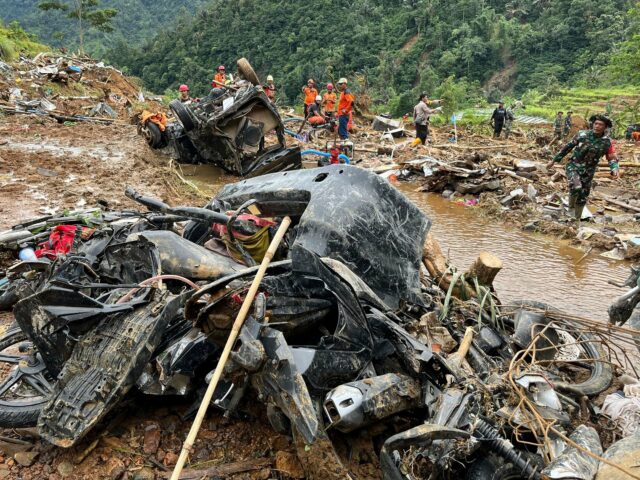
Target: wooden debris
[
  {"x": 224, "y": 470},
  {"x": 485, "y": 268}
]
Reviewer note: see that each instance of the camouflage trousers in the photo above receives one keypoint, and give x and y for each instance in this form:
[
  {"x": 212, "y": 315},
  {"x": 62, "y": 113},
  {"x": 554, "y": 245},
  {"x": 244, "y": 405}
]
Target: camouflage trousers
[{"x": 580, "y": 179}]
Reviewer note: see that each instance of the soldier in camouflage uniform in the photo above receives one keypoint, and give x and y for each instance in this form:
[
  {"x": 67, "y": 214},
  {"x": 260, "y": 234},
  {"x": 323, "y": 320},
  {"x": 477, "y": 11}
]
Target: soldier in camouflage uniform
[
  {"x": 557, "y": 127},
  {"x": 568, "y": 123},
  {"x": 588, "y": 147},
  {"x": 508, "y": 120}
]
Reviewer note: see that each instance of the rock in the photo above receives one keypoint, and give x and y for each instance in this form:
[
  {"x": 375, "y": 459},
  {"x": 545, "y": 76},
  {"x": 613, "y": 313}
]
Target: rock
[
  {"x": 65, "y": 468},
  {"x": 151, "y": 439},
  {"x": 264, "y": 474},
  {"x": 530, "y": 227},
  {"x": 288, "y": 463},
  {"x": 144, "y": 474},
  {"x": 624, "y": 452},
  {"x": 10, "y": 449},
  {"x": 170, "y": 459},
  {"x": 382, "y": 124},
  {"x": 115, "y": 468},
  {"x": 525, "y": 166},
  {"x": 25, "y": 459}
]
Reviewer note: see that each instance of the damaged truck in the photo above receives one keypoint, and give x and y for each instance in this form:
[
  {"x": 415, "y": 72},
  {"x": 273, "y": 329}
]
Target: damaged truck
[
  {"x": 348, "y": 332},
  {"x": 235, "y": 127}
]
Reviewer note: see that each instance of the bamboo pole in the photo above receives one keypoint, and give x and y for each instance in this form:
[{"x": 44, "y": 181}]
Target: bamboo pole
[{"x": 237, "y": 325}]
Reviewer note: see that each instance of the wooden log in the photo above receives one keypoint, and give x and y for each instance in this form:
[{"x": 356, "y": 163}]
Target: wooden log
[
  {"x": 226, "y": 469},
  {"x": 613, "y": 201},
  {"x": 515, "y": 175},
  {"x": 471, "y": 147},
  {"x": 485, "y": 269},
  {"x": 436, "y": 264}
]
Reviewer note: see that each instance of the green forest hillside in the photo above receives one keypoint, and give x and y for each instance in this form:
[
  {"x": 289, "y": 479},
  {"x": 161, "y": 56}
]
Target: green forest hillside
[
  {"x": 137, "y": 20},
  {"x": 397, "y": 46}
]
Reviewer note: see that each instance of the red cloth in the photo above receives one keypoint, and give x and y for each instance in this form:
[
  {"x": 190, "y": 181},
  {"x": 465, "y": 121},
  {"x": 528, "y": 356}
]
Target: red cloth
[
  {"x": 316, "y": 120},
  {"x": 61, "y": 241}
]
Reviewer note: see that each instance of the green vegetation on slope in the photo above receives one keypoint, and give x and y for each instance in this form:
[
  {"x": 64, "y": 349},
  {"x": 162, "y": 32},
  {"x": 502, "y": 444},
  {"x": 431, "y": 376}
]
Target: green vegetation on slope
[
  {"x": 14, "y": 41},
  {"x": 399, "y": 47},
  {"x": 136, "y": 21}
]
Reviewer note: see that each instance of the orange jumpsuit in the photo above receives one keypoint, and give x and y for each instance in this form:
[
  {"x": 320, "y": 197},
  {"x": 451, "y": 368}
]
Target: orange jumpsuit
[
  {"x": 220, "y": 78},
  {"x": 329, "y": 102}
]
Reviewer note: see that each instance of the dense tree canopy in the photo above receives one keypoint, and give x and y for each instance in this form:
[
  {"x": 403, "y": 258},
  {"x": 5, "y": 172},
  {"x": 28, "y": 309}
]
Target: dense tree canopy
[
  {"x": 136, "y": 20},
  {"x": 398, "y": 47}
]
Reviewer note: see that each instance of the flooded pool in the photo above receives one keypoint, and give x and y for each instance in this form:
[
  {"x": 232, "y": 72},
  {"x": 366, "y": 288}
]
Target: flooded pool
[{"x": 535, "y": 266}]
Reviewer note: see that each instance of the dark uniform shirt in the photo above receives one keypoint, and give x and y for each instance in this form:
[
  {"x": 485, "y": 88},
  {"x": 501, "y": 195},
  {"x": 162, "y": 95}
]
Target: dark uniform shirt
[{"x": 499, "y": 115}]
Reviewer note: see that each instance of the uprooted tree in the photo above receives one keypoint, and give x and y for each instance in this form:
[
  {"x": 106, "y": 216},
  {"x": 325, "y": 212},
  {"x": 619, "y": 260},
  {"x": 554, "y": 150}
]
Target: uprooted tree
[{"x": 85, "y": 12}]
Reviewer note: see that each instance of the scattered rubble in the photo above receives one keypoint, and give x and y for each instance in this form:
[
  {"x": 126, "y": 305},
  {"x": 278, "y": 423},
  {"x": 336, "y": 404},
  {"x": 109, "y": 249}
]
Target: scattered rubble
[
  {"x": 366, "y": 352},
  {"x": 421, "y": 359}
]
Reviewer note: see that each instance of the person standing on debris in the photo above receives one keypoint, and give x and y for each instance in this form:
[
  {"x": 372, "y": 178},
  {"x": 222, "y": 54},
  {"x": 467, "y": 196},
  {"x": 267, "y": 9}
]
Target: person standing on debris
[
  {"x": 588, "y": 147},
  {"x": 509, "y": 117},
  {"x": 497, "y": 119},
  {"x": 184, "y": 94},
  {"x": 329, "y": 101},
  {"x": 270, "y": 89},
  {"x": 220, "y": 78},
  {"x": 345, "y": 107},
  {"x": 557, "y": 126},
  {"x": 568, "y": 123},
  {"x": 421, "y": 113},
  {"x": 310, "y": 93}
]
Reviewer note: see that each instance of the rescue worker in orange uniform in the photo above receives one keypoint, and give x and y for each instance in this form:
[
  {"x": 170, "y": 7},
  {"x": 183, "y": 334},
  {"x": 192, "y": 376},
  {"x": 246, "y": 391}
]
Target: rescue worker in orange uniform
[
  {"x": 270, "y": 89},
  {"x": 219, "y": 78},
  {"x": 310, "y": 93},
  {"x": 316, "y": 117},
  {"x": 345, "y": 107},
  {"x": 329, "y": 100}
]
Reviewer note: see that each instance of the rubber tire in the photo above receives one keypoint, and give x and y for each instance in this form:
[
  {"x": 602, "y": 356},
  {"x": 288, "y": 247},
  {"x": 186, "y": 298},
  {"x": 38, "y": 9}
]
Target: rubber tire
[
  {"x": 154, "y": 137},
  {"x": 184, "y": 115},
  {"x": 602, "y": 374},
  {"x": 18, "y": 417},
  {"x": 247, "y": 72}
]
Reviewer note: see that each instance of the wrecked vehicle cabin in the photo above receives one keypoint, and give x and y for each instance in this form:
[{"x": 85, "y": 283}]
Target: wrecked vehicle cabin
[
  {"x": 231, "y": 127},
  {"x": 358, "y": 329}
]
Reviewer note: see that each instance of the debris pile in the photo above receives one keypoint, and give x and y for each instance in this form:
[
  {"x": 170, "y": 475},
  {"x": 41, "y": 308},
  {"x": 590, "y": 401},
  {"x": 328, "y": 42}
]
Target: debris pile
[
  {"x": 68, "y": 89},
  {"x": 360, "y": 332}
]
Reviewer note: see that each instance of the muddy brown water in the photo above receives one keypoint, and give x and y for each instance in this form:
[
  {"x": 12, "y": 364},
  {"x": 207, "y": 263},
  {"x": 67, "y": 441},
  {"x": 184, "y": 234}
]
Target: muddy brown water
[{"x": 536, "y": 267}]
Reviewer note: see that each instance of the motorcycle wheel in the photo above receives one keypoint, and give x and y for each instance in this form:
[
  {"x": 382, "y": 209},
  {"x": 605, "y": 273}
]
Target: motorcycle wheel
[
  {"x": 25, "y": 385},
  {"x": 580, "y": 345}
]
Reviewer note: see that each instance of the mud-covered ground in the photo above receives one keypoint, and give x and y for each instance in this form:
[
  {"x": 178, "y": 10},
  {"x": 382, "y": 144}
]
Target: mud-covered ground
[{"x": 46, "y": 166}]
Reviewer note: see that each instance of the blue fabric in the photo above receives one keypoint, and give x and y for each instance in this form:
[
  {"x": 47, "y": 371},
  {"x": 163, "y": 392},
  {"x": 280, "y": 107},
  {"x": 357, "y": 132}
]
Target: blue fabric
[{"x": 343, "y": 126}]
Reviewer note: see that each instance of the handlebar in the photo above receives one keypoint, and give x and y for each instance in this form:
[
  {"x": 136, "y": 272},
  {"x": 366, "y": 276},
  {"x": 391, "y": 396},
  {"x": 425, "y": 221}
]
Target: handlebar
[{"x": 193, "y": 213}]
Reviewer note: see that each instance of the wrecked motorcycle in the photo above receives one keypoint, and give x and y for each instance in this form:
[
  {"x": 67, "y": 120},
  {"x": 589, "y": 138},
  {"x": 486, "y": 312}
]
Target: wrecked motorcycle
[{"x": 327, "y": 349}]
